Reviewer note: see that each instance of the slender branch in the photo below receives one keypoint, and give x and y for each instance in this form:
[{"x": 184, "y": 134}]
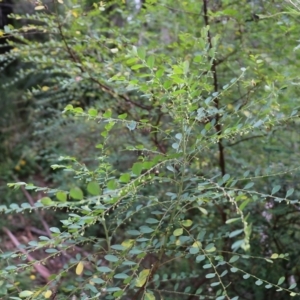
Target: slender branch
[
  {"x": 43, "y": 271},
  {"x": 246, "y": 139},
  {"x": 155, "y": 136},
  {"x": 31, "y": 201}
]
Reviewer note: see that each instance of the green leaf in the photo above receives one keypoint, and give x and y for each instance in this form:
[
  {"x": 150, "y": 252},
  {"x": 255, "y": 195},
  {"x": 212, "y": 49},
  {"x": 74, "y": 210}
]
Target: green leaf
[
  {"x": 51, "y": 250},
  {"x": 258, "y": 282},
  {"x": 141, "y": 53},
  {"x": 203, "y": 210},
  {"x": 118, "y": 247},
  {"x": 268, "y": 286},
  {"x": 112, "y": 184},
  {"x": 226, "y": 177},
  {"x": 187, "y": 223},
  {"x": 97, "y": 280},
  {"x": 275, "y": 189},
  {"x": 194, "y": 250},
  {"x": 111, "y": 258},
  {"x": 107, "y": 114},
  {"x": 151, "y": 221},
  {"x": 235, "y": 232},
  {"x": 61, "y": 196},
  {"x": 281, "y": 280},
  {"x": 25, "y": 294},
  {"x": 210, "y": 248},
  {"x": 46, "y": 201},
  {"x": 54, "y": 229},
  {"x": 91, "y": 287},
  {"x": 93, "y": 188},
  {"x": 93, "y": 112},
  {"x": 234, "y": 258},
  {"x": 137, "y": 168},
  {"x": 210, "y": 275},
  {"x": 121, "y": 276},
  {"x": 150, "y": 61},
  {"x": 104, "y": 269},
  {"x": 149, "y": 296},
  {"x": 292, "y": 286},
  {"x": 125, "y": 178},
  {"x": 289, "y": 192},
  {"x": 232, "y": 220},
  {"x": 122, "y": 116},
  {"x": 146, "y": 229},
  {"x": 248, "y": 185},
  {"x": 175, "y": 145},
  {"x": 76, "y": 193},
  {"x": 200, "y": 258},
  {"x": 178, "y": 232}
]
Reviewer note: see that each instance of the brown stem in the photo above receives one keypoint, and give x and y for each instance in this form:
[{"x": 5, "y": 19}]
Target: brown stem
[
  {"x": 31, "y": 201},
  {"x": 218, "y": 126},
  {"x": 43, "y": 271}
]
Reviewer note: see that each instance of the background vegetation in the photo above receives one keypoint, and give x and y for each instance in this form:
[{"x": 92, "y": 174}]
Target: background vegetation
[{"x": 150, "y": 149}]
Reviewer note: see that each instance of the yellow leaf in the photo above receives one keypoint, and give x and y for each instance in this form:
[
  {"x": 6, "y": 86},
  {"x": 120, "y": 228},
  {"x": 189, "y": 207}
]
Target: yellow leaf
[
  {"x": 187, "y": 223},
  {"x": 140, "y": 281},
  {"x": 74, "y": 13},
  {"x": 39, "y": 7},
  {"x": 48, "y": 294},
  {"x": 60, "y": 1},
  {"x": 197, "y": 244},
  {"x": 1, "y": 33},
  {"x": 45, "y": 88},
  {"x": 79, "y": 268},
  {"x": 127, "y": 244}
]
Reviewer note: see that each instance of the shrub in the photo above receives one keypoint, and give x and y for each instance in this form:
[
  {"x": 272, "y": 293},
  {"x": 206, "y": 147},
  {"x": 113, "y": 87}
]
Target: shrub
[{"x": 169, "y": 220}]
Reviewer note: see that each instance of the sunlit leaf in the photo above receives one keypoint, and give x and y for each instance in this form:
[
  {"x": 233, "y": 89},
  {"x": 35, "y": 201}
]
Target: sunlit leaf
[
  {"x": 79, "y": 268},
  {"x": 142, "y": 278}
]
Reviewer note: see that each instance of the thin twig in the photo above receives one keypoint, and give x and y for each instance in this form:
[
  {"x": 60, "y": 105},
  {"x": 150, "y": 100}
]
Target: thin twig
[{"x": 31, "y": 201}]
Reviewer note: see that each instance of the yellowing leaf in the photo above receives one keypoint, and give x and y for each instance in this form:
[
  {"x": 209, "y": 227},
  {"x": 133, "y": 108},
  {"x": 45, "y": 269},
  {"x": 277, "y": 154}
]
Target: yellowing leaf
[
  {"x": 142, "y": 278},
  {"x": 39, "y": 7},
  {"x": 127, "y": 243},
  {"x": 274, "y": 256},
  {"x": 197, "y": 244},
  {"x": 79, "y": 268},
  {"x": 45, "y": 88},
  {"x": 60, "y": 1},
  {"x": 149, "y": 296},
  {"x": 48, "y": 294},
  {"x": 178, "y": 232},
  {"x": 75, "y": 14},
  {"x": 187, "y": 223}
]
